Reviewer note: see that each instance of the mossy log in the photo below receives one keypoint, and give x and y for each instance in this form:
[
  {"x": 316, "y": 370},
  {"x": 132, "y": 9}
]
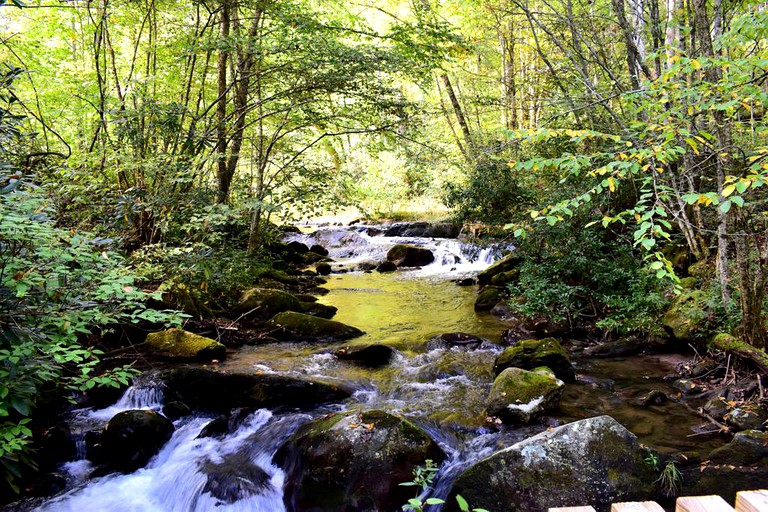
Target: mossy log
[{"x": 742, "y": 349}]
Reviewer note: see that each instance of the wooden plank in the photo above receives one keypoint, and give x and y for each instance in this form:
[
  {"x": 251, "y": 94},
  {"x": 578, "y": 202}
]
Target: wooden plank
[
  {"x": 703, "y": 504},
  {"x": 637, "y": 506},
  {"x": 572, "y": 509},
  {"x": 752, "y": 501}
]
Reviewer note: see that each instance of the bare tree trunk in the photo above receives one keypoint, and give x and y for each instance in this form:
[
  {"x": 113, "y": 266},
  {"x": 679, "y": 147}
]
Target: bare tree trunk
[
  {"x": 223, "y": 180},
  {"x": 459, "y": 113}
]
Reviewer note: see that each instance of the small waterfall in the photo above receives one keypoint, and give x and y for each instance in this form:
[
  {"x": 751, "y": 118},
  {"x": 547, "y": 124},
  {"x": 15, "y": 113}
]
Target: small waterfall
[
  {"x": 145, "y": 393},
  {"x": 231, "y": 474},
  {"x": 353, "y": 245}
]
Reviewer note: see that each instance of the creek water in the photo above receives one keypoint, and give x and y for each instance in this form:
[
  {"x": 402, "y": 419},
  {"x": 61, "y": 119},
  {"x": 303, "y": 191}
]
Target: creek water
[{"x": 442, "y": 390}]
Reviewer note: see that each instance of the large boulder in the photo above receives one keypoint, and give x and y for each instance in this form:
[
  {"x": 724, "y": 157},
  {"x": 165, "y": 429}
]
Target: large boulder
[
  {"x": 319, "y": 310},
  {"x": 404, "y": 255},
  {"x": 423, "y": 229},
  {"x": 530, "y": 354},
  {"x": 507, "y": 264},
  {"x": 354, "y": 461},
  {"x": 264, "y": 303},
  {"x": 489, "y": 297},
  {"x": 460, "y": 340},
  {"x": 216, "y": 391},
  {"x": 595, "y": 461},
  {"x": 128, "y": 440},
  {"x": 290, "y": 325},
  {"x": 180, "y": 344},
  {"x": 518, "y": 396}
]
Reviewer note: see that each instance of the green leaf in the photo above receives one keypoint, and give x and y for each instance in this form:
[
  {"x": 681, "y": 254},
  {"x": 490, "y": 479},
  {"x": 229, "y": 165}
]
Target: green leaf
[
  {"x": 434, "y": 501},
  {"x": 656, "y": 265},
  {"x": 648, "y": 243},
  {"x": 463, "y": 505},
  {"x": 725, "y": 206}
]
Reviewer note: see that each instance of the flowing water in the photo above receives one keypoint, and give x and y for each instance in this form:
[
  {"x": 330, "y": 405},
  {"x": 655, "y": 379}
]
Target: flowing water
[{"x": 442, "y": 390}]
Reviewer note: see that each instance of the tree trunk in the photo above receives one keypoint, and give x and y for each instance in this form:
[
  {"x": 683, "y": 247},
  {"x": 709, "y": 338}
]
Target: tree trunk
[
  {"x": 459, "y": 113},
  {"x": 223, "y": 180}
]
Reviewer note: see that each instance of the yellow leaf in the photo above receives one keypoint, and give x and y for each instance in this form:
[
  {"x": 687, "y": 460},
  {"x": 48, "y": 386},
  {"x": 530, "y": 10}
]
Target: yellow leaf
[
  {"x": 728, "y": 190},
  {"x": 611, "y": 184},
  {"x": 534, "y": 214}
]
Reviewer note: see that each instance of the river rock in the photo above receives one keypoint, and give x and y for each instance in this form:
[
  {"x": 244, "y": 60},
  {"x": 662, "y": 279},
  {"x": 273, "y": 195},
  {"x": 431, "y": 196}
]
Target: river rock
[
  {"x": 518, "y": 396},
  {"x": 264, "y": 303},
  {"x": 367, "y": 265},
  {"x": 423, "y": 229},
  {"x": 530, "y": 354},
  {"x": 290, "y": 325},
  {"x": 506, "y": 264},
  {"x": 354, "y": 461},
  {"x": 319, "y": 310},
  {"x": 319, "y": 249},
  {"x": 129, "y": 440},
  {"x": 742, "y": 418},
  {"x": 456, "y": 340},
  {"x": 618, "y": 348},
  {"x": 298, "y": 247},
  {"x": 404, "y": 255},
  {"x": 595, "y": 461},
  {"x": 366, "y": 355},
  {"x": 180, "y": 344},
  {"x": 235, "y": 478},
  {"x": 217, "y": 391},
  {"x": 505, "y": 278},
  {"x": 489, "y": 297},
  {"x": 386, "y": 266},
  {"x": 312, "y": 257},
  {"x": 323, "y": 268}
]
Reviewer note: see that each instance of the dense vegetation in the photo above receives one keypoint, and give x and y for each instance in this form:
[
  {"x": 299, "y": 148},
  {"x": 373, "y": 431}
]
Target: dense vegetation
[{"x": 148, "y": 147}]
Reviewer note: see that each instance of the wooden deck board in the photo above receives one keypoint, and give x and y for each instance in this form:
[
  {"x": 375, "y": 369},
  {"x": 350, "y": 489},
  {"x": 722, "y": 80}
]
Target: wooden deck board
[
  {"x": 703, "y": 504},
  {"x": 752, "y": 501},
  {"x": 637, "y": 506}
]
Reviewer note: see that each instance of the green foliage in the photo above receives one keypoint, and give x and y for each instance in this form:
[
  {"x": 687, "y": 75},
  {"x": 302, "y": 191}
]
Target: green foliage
[
  {"x": 422, "y": 478},
  {"x": 670, "y": 479},
  {"x": 57, "y": 288},
  {"x": 574, "y": 274}
]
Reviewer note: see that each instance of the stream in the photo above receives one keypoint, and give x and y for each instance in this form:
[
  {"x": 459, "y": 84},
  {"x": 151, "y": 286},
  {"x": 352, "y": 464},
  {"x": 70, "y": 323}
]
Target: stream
[{"x": 441, "y": 390}]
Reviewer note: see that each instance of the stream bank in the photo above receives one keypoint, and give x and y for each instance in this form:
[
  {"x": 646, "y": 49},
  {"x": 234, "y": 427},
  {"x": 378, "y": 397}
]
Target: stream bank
[{"x": 440, "y": 389}]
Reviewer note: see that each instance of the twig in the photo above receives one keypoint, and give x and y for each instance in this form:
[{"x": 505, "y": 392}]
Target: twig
[{"x": 727, "y": 368}]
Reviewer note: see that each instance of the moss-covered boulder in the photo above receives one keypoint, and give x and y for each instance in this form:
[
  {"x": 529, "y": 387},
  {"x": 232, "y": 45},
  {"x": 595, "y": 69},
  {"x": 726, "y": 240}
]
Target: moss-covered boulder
[
  {"x": 180, "y": 344},
  {"x": 220, "y": 392},
  {"x": 354, "y": 461},
  {"x": 739, "y": 465},
  {"x": 404, "y": 255},
  {"x": 530, "y": 354},
  {"x": 489, "y": 297},
  {"x": 235, "y": 477},
  {"x": 508, "y": 263},
  {"x": 128, "y": 440},
  {"x": 290, "y": 325},
  {"x": 518, "y": 396},
  {"x": 595, "y": 461},
  {"x": 264, "y": 303},
  {"x": 686, "y": 317}
]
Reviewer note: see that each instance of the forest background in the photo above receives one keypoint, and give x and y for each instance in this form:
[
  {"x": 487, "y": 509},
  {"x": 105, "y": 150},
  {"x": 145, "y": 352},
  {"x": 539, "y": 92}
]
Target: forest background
[{"x": 148, "y": 147}]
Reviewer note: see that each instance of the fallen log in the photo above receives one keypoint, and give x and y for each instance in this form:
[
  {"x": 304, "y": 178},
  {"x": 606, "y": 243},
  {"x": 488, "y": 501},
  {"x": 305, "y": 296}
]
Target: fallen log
[{"x": 741, "y": 349}]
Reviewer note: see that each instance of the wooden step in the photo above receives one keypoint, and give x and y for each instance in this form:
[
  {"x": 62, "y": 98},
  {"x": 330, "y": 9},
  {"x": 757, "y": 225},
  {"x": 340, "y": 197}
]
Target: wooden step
[
  {"x": 637, "y": 506},
  {"x": 752, "y": 501},
  {"x": 572, "y": 509},
  {"x": 703, "y": 504}
]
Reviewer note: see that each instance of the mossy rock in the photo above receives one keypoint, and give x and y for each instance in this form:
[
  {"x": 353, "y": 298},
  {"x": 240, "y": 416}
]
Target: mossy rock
[
  {"x": 704, "y": 270},
  {"x": 264, "y": 303},
  {"x": 595, "y": 461},
  {"x": 180, "y": 344},
  {"x": 685, "y": 319},
  {"x": 290, "y": 325},
  {"x": 319, "y": 310},
  {"x": 518, "y": 396},
  {"x": 508, "y": 263},
  {"x": 404, "y": 255},
  {"x": 489, "y": 297},
  {"x": 505, "y": 278},
  {"x": 529, "y": 354},
  {"x": 688, "y": 283},
  {"x": 354, "y": 461}
]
